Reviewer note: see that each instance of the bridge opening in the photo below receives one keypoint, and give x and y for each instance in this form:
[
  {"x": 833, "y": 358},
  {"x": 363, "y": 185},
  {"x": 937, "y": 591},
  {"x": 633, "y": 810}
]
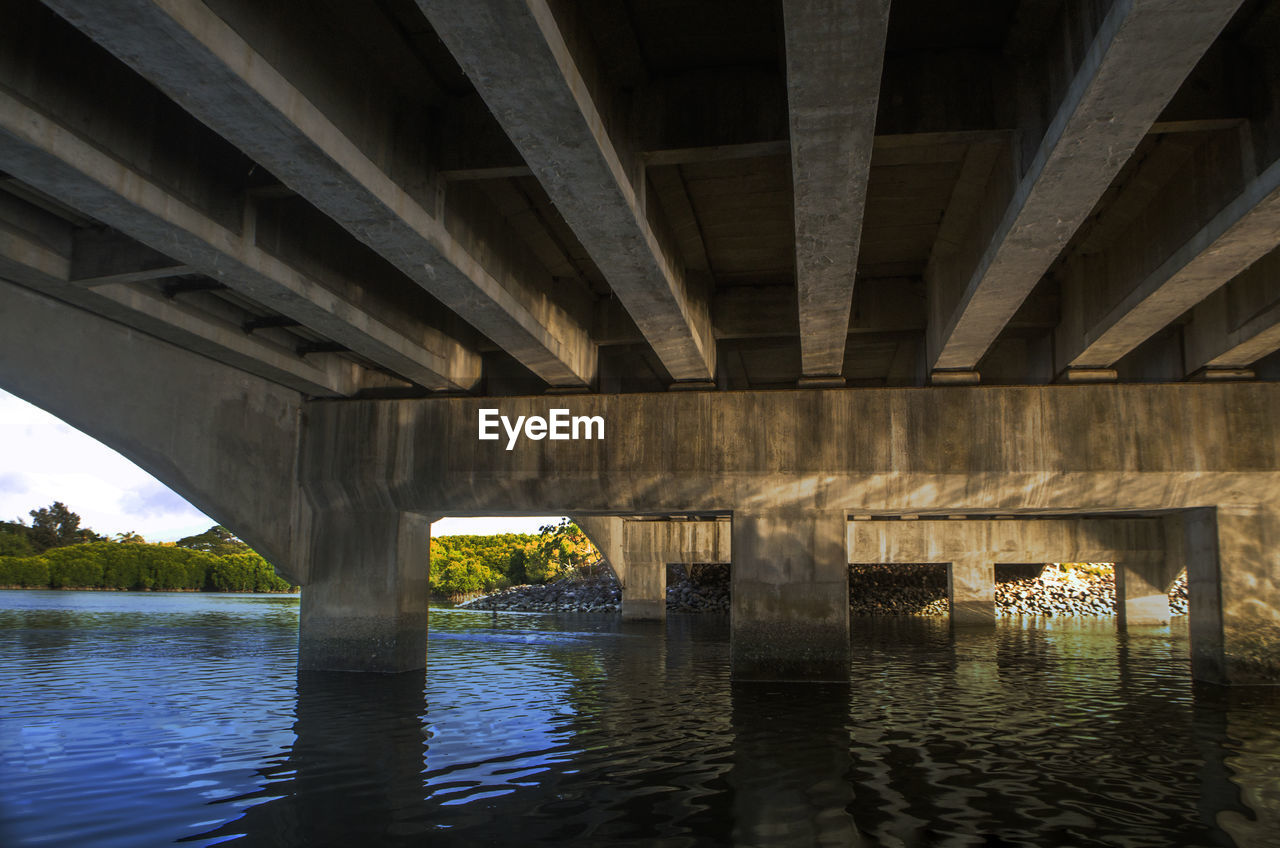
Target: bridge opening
[
  {"x": 898, "y": 589},
  {"x": 704, "y": 587}
]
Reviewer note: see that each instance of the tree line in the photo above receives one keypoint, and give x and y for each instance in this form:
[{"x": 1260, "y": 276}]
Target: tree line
[
  {"x": 54, "y": 552},
  {"x": 467, "y": 565}
]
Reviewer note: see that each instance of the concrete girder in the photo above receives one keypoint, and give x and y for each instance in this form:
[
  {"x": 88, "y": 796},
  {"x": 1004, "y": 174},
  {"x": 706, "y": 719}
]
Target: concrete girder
[
  {"x": 216, "y": 74},
  {"x": 515, "y": 54},
  {"x": 29, "y": 263},
  {"x": 1239, "y": 323},
  {"x": 60, "y": 162},
  {"x": 835, "y": 55},
  {"x": 1239, "y": 235},
  {"x": 1140, "y": 55}
]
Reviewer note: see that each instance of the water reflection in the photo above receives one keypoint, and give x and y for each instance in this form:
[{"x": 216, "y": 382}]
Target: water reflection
[{"x": 125, "y": 724}]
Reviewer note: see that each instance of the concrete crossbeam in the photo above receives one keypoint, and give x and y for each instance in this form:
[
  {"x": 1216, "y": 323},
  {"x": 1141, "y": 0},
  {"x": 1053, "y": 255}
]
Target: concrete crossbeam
[
  {"x": 213, "y": 72},
  {"x": 1236, "y": 237},
  {"x": 1140, "y": 55},
  {"x": 63, "y": 164},
  {"x": 1055, "y": 449},
  {"x": 100, "y": 257},
  {"x": 515, "y": 54},
  {"x": 835, "y": 55},
  {"x": 36, "y": 266}
]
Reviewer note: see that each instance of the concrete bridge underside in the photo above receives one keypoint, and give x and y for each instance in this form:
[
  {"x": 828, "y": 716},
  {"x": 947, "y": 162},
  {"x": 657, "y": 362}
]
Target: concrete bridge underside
[{"x": 1008, "y": 270}]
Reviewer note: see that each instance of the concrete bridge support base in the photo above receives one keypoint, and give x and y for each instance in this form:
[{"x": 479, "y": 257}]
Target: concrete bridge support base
[
  {"x": 365, "y": 606},
  {"x": 790, "y": 596},
  {"x": 971, "y": 588},
  {"x": 1142, "y": 593},
  {"x": 1233, "y": 571},
  {"x": 644, "y": 597}
]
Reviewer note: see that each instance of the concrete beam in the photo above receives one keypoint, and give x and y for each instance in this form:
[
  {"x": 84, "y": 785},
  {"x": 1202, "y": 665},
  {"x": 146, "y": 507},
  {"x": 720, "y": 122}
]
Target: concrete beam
[
  {"x": 1026, "y": 450},
  {"x": 1140, "y": 55},
  {"x": 835, "y": 55},
  {"x": 27, "y": 262},
  {"x": 101, "y": 257},
  {"x": 1239, "y": 323},
  {"x": 515, "y": 55},
  {"x": 1236, "y": 237},
  {"x": 217, "y": 75},
  {"x": 62, "y": 163}
]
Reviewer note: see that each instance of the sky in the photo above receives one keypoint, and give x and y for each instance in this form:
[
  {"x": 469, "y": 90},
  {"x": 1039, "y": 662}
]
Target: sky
[{"x": 43, "y": 460}]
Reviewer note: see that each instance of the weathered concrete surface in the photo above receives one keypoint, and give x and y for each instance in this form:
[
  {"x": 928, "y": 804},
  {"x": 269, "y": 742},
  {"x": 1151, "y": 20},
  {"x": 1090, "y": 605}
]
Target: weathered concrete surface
[
  {"x": 1062, "y": 449},
  {"x": 1233, "y": 573},
  {"x": 835, "y": 54},
  {"x": 972, "y": 547},
  {"x": 54, "y": 157},
  {"x": 224, "y": 440},
  {"x": 971, "y": 589},
  {"x": 515, "y": 54},
  {"x": 790, "y": 596},
  {"x": 364, "y": 607},
  {"x": 222, "y": 77},
  {"x": 1143, "y": 583},
  {"x": 1139, "y": 57},
  {"x": 649, "y": 546}
]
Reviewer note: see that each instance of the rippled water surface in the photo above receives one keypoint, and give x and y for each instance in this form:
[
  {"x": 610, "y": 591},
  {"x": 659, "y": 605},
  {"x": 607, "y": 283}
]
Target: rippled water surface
[{"x": 150, "y": 719}]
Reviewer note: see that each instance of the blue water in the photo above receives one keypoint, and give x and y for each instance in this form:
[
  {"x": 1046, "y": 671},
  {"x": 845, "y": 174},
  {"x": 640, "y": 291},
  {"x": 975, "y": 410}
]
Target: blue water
[{"x": 154, "y": 719}]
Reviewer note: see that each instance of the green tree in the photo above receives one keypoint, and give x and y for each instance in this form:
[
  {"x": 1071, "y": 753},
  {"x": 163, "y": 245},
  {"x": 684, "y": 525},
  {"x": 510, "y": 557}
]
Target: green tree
[
  {"x": 216, "y": 540},
  {"x": 129, "y": 537},
  {"x": 15, "y": 539},
  {"x": 56, "y": 527}
]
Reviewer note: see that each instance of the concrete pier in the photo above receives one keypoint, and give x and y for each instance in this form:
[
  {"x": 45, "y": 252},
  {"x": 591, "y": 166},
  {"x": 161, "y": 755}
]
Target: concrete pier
[
  {"x": 1233, "y": 572},
  {"x": 365, "y": 605},
  {"x": 971, "y": 589},
  {"x": 789, "y": 596}
]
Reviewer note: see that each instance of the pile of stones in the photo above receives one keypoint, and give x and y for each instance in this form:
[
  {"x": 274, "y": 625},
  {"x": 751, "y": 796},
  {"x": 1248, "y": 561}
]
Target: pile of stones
[
  {"x": 597, "y": 594},
  {"x": 1178, "y": 597},
  {"x": 898, "y": 590},
  {"x": 1031, "y": 590},
  {"x": 1055, "y": 591},
  {"x": 698, "y": 588}
]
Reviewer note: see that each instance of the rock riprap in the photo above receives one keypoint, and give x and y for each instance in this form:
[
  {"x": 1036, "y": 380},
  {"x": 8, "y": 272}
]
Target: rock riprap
[
  {"x": 906, "y": 589},
  {"x": 597, "y": 594}
]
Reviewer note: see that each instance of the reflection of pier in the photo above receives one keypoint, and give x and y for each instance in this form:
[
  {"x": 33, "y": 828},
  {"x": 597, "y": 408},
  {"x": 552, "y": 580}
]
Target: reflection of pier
[{"x": 900, "y": 261}]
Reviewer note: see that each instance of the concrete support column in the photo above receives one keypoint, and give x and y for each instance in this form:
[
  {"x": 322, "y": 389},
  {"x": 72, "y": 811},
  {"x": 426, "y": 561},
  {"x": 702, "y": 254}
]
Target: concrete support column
[
  {"x": 1142, "y": 593},
  {"x": 1233, "y": 571},
  {"x": 644, "y": 594},
  {"x": 365, "y": 605},
  {"x": 971, "y": 588},
  {"x": 790, "y": 595}
]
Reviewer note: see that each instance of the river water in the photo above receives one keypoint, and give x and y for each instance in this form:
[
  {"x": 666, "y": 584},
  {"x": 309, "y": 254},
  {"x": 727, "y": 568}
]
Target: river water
[{"x": 150, "y": 719}]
